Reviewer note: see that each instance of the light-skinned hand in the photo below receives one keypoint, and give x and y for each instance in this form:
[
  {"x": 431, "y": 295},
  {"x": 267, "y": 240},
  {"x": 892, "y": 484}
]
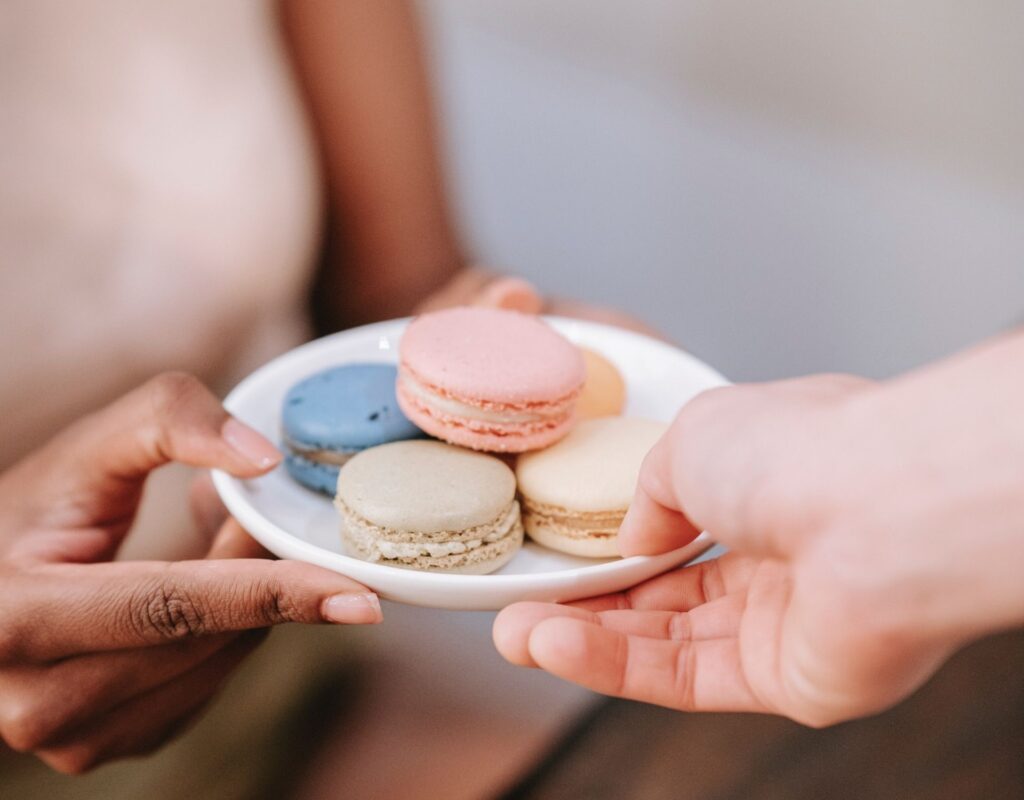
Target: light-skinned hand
[{"x": 874, "y": 529}]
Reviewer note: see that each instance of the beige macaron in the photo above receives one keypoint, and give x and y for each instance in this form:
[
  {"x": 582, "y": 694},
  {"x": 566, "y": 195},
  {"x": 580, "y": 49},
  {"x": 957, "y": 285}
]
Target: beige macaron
[
  {"x": 575, "y": 494},
  {"x": 429, "y": 506}
]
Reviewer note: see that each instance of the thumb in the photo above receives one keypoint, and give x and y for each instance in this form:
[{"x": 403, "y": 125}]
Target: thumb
[
  {"x": 93, "y": 472},
  {"x": 172, "y": 417},
  {"x": 741, "y": 462},
  {"x": 698, "y": 475},
  {"x": 655, "y": 522}
]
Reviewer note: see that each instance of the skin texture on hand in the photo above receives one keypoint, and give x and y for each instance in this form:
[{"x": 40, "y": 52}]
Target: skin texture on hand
[
  {"x": 103, "y": 659},
  {"x": 874, "y": 530}
]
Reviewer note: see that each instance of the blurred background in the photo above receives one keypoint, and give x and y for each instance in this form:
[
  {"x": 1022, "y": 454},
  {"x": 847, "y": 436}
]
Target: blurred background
[{"x": 780, "y": 188}]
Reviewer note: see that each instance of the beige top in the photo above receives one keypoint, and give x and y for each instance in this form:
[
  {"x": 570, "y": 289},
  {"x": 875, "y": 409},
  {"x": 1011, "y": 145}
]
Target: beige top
[
  {"x": 158, "y": 200},
  {"x": 594, "y": 468},
  {"x": 426, "y": 487}
]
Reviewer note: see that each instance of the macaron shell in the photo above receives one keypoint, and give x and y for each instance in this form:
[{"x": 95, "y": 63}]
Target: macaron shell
[
  {"x": 594, "y": 468},
  {"x": 604, "y": 392},
  {"x": 312, "y": 474},
  {"x": 426, "y": 486},
  {"x": 346, "y": 408},
  {"x": 492, "y": 355}
]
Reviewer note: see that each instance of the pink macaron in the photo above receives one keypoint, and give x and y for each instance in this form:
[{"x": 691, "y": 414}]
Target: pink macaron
[{"x": 489, "y": 379}]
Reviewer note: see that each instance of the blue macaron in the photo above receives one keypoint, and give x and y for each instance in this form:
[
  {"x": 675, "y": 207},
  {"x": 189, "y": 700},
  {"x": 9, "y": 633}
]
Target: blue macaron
[{"x": 334, "y": 414}]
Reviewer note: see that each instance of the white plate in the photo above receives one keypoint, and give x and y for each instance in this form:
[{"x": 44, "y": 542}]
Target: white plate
[{"x": 293, "y": 522}]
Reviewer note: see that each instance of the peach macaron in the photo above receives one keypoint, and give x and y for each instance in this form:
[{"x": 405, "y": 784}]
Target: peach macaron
[
  {"x": 489, "y": 379},
  {"x": 604, "y": 393}
]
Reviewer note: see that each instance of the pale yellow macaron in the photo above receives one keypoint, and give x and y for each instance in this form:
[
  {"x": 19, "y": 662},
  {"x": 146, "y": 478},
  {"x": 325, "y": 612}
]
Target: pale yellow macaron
[
  {"x": 604, "y": 392},
  {"x": 575, "y": 494}
]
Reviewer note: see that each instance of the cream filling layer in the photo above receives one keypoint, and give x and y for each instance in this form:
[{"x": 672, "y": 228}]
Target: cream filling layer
[
  {"x": 572, "y": 524},
  {"x": 336, "y": 457},
  {"x": 378, "y": 543},
  {"x": 454, "y": 408}
]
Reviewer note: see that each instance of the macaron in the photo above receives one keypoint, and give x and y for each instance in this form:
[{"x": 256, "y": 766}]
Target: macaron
[
  {"x": 430, "y": 506},
  {"x": 334, "y": 414},
  {"x": 604, "y": 392},
  {"x": 489, "y": 379},
  {"x": 575, "y": 494}
]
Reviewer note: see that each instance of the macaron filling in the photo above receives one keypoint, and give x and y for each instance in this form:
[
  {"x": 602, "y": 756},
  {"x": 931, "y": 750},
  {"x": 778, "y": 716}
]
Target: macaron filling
[
  {"x": 571, "y": 524},
  {"x": 375, "y": 543},
  {"x": 482, "y": 415},
  {"x": 336, "y": 457}
]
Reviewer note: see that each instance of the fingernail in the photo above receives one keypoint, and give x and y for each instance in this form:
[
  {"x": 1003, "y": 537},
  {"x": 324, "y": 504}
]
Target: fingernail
[
  {"x": 352, "y": 609},
  {"x": 252, "y": 445}
]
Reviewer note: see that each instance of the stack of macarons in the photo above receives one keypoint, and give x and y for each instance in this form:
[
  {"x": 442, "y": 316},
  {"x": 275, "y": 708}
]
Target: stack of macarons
[{"x": 491, "y": 385}]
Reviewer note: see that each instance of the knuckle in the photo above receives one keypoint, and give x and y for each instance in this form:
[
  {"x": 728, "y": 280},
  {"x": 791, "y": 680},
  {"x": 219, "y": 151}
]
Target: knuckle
[
  {"x": 24, "y": 726},
  {"x": 164, "y": 611},
  {"x": 653, "y": 479},
  {"x": 679, "y": 627},
  {"x": 712, "y": 584},
  {"x": 179, "y": 408},
  {"x": 271, "y": 601},
  {"x": 168, "y": 390},
  {"x": 685, "y": 683},
  {"x": 704, "y": 403}
]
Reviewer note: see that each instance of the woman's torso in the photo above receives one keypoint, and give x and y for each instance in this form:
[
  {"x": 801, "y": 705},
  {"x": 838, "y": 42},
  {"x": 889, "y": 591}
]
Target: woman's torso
[{"x": 158, "y": 200}]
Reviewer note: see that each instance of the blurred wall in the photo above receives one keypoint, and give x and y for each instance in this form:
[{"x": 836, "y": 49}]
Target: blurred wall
[{"x": 782, "y": 187}]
